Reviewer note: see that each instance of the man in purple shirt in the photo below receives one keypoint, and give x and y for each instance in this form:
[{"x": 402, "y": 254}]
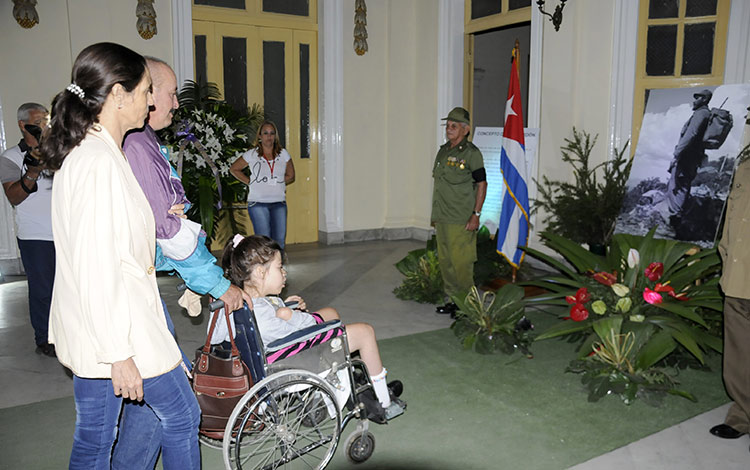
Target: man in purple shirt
[{"x": 180, "y": 247}]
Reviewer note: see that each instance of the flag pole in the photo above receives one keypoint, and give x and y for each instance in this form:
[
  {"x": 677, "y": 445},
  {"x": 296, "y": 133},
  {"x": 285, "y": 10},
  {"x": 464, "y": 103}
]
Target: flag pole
[{"x": 514, "y": 57}]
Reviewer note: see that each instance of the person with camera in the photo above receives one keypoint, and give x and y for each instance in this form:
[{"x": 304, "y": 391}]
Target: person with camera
[{"x": 29, "y": 190}]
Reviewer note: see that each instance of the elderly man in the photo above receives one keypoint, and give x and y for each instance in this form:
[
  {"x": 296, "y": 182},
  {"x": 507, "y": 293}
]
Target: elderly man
[
  {"x": 30, "y": 191},
  {"x": 688, "y": 155},
  {"x": 734, "y": 283},
  {"x": 458, "y": 195},
  {"x": 180, "y": 246}
]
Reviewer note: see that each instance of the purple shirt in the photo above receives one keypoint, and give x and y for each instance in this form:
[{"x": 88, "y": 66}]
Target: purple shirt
[{"x": 156, "y": 177}]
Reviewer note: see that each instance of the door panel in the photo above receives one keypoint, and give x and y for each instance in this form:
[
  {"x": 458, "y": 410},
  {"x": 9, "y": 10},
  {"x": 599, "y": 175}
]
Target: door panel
[{"x": 277, "y": 68}]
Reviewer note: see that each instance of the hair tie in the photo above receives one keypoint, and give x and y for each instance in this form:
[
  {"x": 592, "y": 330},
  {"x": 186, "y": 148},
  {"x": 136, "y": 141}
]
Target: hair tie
[
  {"x": 76, "y": 90},
  {"x": 236, "y": 240}
]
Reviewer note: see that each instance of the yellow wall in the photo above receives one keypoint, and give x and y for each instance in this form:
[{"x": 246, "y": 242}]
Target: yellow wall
[
  {"x": 389, "y": 116},
  {"x": 36, "y": 62}
]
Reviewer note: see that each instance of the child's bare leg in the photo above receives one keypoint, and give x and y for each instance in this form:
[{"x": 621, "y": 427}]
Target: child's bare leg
[
  {"x": 361, "y": 338},
  {"x": 328, "y": 313}
]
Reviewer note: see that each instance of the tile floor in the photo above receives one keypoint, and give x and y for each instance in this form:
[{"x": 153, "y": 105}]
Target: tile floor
[{"x": 356, "y": 278}]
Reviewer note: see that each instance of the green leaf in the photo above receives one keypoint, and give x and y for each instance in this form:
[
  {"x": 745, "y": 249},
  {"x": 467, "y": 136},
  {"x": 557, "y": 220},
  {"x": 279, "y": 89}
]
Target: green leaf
[
  {"x": 603, "y": 326},
  {"x": 658, "y": 346},
  {"x": 682, "y": 311},
  {"x": 206, "y": 204},
  {"x": 563, "y": 328},
  {"x": 683, "y": 394},
  {"x": 550, "y": 260}
]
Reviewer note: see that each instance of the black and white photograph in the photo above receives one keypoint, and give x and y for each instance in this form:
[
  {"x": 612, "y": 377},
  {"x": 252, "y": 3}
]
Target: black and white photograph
[{"x": 684, "y": 161}]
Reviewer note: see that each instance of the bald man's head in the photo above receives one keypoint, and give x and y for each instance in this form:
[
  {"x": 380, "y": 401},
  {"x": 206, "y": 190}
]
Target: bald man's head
[{"x": 165, "y": 93}]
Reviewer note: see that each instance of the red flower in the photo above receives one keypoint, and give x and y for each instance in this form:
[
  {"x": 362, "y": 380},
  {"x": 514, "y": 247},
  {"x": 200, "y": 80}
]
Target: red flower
[
  {"x": 582, "y": 296},
  {"x": 654, "y": 271},
  {"x": 681, "y": 296},
  {"x": 605, "y": 278},
  {"x": 578, "y": 312},
  {"x": 664, "y": 288},
  {"x": 652, "y": 297}
]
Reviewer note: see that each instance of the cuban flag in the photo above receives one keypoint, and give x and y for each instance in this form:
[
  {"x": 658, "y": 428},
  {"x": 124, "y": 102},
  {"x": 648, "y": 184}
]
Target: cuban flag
[{"x": 514, "y": 216}]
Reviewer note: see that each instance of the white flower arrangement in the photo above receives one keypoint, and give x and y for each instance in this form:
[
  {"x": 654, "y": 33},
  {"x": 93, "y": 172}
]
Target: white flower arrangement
[{"x": 221, "y": 143}]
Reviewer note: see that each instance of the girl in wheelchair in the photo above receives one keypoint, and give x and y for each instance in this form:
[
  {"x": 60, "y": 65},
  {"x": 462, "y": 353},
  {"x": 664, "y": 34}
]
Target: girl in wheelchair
[{"x": 254, "y": 264}]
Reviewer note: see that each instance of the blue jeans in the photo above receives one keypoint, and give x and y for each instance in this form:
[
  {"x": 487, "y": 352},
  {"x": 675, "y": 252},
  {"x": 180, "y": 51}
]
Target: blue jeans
[
  {"x": 97, "y": 408},
  {"x": 38, "y": 257},
  {"x": 269, "y": 219},
  {"x": 140, "y": 436}
]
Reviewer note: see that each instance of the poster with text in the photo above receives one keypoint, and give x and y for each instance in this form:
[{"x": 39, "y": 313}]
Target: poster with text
[{"x": 489, "y": 140}]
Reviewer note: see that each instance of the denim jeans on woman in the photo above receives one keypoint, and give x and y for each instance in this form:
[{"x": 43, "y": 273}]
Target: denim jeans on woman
[
  {"x": 97, "y": 410},
  {"x": 139, "y": 438},
  {"x": 269, "y": 219}
]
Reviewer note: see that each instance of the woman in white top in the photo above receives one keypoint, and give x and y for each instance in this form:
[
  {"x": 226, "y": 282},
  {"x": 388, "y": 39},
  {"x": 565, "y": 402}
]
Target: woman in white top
[
  {"x": 106, "y": 318},
  {"x": 271, "y": 169}
]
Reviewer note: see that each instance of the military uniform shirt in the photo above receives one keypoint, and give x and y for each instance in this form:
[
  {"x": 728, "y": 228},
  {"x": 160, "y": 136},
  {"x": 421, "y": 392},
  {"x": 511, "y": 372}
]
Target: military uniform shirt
[{"x": 454, "y": 192}]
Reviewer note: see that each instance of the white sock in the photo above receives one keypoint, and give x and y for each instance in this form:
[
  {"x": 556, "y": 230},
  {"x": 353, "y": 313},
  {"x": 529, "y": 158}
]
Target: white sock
[{"x": 381, "y": 388}]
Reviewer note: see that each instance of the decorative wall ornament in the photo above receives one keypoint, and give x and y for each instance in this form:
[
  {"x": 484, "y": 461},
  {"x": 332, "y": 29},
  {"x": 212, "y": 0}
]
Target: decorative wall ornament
[
  {"x": 360, "y": 29},
  {"x": 556, "y": 17},
  {"x": 24, "y": 11},
  {"x": 146, "y": 15}
]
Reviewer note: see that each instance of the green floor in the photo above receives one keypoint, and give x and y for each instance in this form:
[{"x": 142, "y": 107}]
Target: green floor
[{"x": 465, "y": 411}]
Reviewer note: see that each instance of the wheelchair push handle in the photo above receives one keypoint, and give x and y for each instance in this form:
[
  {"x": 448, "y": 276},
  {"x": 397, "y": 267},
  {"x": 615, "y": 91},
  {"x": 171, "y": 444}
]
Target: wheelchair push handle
[{"x": 216, "y": 305}]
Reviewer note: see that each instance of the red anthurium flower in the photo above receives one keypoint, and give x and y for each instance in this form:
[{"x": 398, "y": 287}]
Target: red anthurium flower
[
  {"x": 654, "y": 271},
  {"x": 582, "y": 296},
  {"x": 664, "y": 288},
  {"x": 605, "y": 278},
  {"x": 651, "y": 297},
  {"x": 578, "y": 312},
  {"x": 681, "y": 296}
]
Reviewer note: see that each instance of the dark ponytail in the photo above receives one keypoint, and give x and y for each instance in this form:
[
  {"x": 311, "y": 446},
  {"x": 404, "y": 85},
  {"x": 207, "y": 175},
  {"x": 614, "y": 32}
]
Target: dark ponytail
[{"x": 76, "y": 109}]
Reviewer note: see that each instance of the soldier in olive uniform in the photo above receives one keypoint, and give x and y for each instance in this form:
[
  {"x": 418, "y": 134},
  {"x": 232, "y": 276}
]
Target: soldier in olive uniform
[
  {"x": 734, "y": 283},
  {"x": 459, "y": 190}
]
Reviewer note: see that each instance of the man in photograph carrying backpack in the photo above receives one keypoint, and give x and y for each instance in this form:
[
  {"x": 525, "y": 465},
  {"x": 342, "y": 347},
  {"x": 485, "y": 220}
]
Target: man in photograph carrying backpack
[{"x": 689, "y": 153}]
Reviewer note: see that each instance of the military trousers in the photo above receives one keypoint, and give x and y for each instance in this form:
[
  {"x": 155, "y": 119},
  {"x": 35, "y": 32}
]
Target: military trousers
[
  {"x": 457, "y": 252},
  {"x": 736, "y": 366}
]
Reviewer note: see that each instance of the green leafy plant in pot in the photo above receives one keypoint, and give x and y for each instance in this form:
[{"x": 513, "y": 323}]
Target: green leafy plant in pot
[
  {"x": 664, "y": 292},
  {"x": 585, "y": 211},
  {"x": 493, "y": 321}
]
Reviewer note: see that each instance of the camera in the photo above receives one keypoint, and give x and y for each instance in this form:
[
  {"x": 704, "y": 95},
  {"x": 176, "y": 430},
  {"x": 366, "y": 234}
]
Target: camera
[{"x": 36, "y": 132}]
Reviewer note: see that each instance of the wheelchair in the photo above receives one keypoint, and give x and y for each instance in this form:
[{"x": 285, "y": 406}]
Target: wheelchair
[{"x": 293, "y": 415}]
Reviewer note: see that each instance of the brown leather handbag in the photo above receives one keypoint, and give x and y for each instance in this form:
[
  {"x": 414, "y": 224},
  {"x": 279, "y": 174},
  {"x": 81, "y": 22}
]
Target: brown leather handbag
[{"x": 219, "y": 383}]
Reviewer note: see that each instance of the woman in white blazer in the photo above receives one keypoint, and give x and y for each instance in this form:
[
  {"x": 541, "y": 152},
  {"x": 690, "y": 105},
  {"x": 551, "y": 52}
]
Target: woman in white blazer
[{"x": 106, "y": 319}]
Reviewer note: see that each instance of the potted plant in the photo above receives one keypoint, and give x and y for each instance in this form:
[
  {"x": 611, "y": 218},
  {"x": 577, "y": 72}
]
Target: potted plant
[
  {"x": 585, "y": 210},
  {"x": 664, "y": 292},
  {"x": 493, "y": 321}
]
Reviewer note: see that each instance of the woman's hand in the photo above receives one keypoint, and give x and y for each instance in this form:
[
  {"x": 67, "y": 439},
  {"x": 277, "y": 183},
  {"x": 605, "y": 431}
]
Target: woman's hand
[
  {"x": 178, "y": 210},
  {"x": 126, "y": 380},
  {"x": 296, "y": 298}
]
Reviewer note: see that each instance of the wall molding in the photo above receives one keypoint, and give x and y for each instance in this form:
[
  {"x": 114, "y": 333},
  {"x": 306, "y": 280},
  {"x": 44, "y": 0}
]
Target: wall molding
[
  {"x": 353, "y": 236},
  {"x": 331, "y": 118},
  {"x": 622, "y": 73},
  {"x": 450, "y": 61},
  {"x": 737, "y": 63},
  {"x": 182, "y": 40}
]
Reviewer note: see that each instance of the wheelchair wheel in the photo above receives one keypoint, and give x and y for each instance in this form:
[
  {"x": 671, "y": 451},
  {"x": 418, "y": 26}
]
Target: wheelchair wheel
[
  {"x": 288, "y": 420},
  {"x": 360, "y": 446},
  {"x": 210, "y": 442}
]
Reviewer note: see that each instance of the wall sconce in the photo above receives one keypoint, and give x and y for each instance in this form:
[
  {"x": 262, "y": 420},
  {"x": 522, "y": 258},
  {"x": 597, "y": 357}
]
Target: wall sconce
[
  {"x": 360, "y": 30},
  {"x": 146, "y": 24},
  {"x": 556, "y": 17},
  {"x": 24, "y": 11}
]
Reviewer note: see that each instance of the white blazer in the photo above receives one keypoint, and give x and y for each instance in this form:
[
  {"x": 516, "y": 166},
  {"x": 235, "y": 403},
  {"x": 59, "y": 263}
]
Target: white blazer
[{"x": 105, "y": 303}]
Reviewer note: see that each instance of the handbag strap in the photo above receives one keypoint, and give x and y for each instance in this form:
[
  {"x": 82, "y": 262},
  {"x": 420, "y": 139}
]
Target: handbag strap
[{"x": 207, "y": 346}]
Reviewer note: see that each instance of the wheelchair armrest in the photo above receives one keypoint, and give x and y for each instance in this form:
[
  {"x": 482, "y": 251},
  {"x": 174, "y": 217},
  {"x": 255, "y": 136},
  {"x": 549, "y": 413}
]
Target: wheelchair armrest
[{"x": 303, "y": 335}]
